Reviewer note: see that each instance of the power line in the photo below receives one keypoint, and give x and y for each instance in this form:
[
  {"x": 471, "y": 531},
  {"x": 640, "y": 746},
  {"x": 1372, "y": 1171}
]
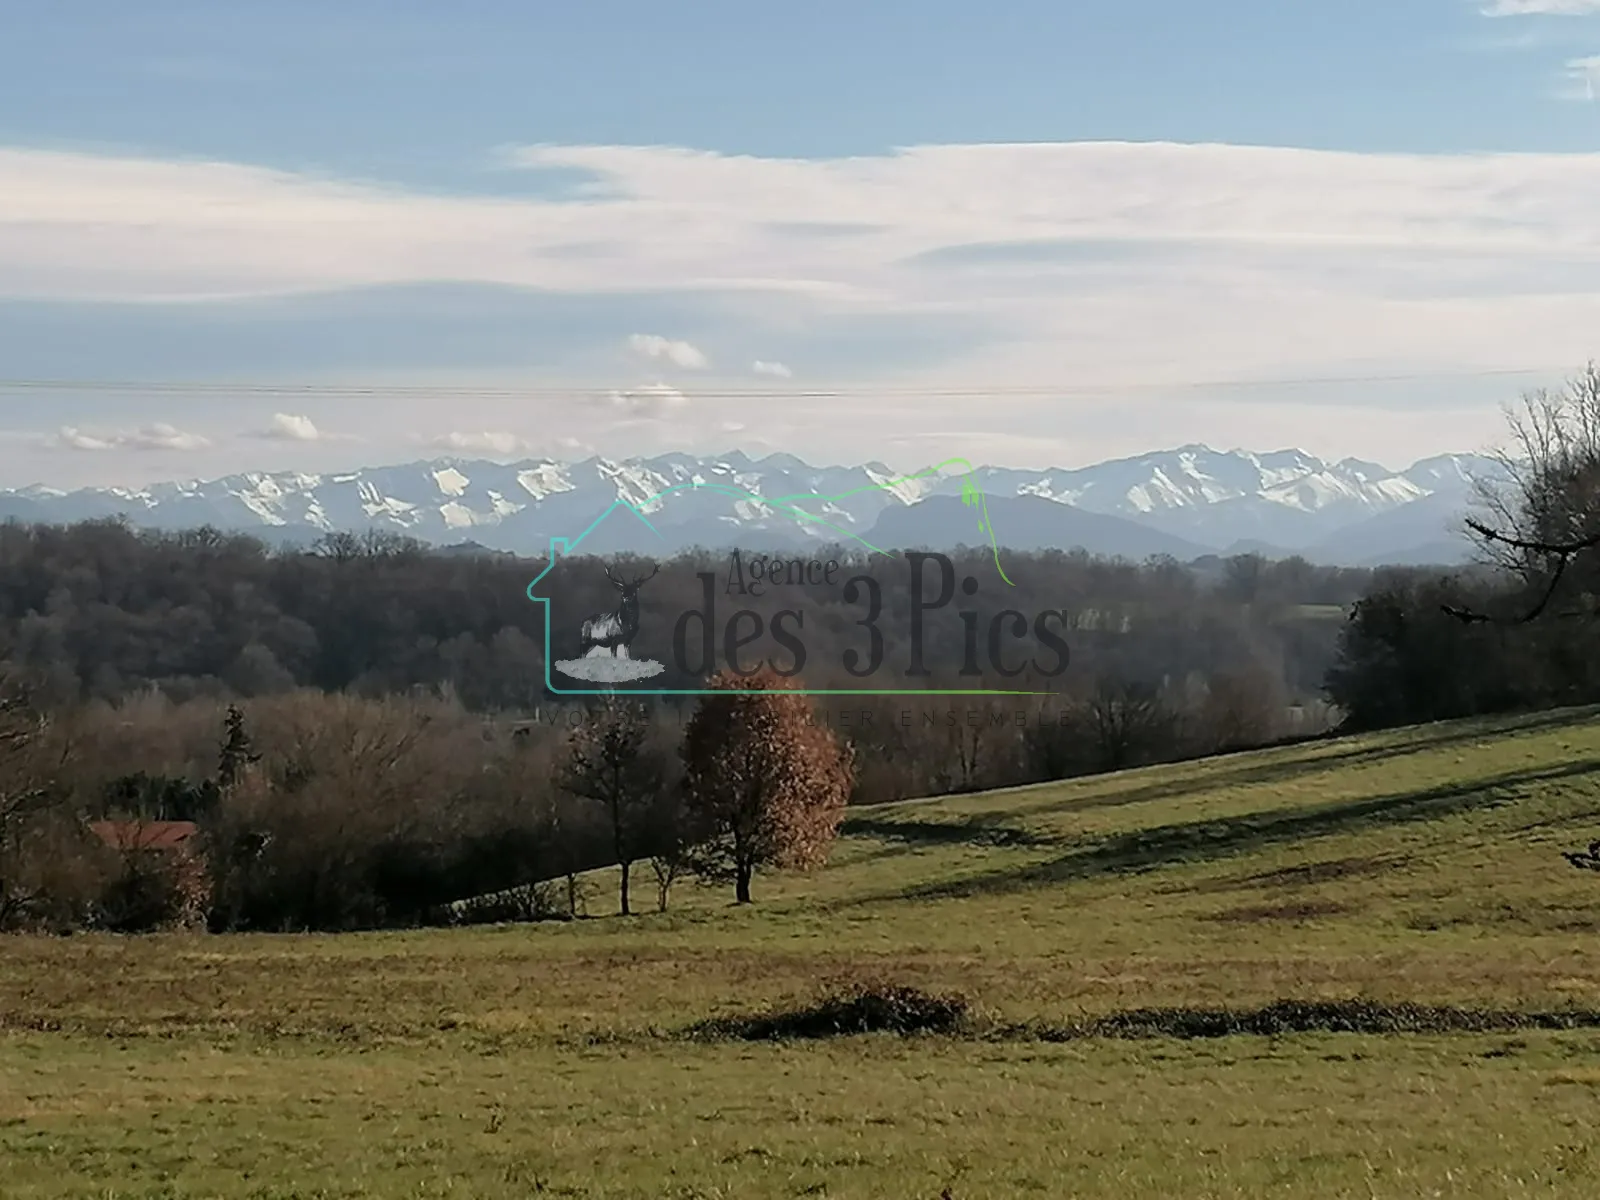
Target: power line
[{"x": 465, "y": 391}]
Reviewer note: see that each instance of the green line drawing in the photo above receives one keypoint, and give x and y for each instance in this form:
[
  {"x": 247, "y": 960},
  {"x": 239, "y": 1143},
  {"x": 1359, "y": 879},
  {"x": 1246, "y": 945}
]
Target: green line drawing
[{"x": 971, "y": 497}]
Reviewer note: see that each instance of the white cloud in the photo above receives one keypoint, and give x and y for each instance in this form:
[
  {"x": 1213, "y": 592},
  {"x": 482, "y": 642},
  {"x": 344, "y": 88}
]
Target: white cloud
[
  {"x": 1119, "y": 274},
  {"x": 288, "y": 427},
  {"x": 76, "y": 439},
  {"x": 82, "y": 227},
  {"x": 679, "y": 354},
  {"x": 295, "y": 427},
  {"x": 649, "y": 403},
  {"x": 503, "y": 444},
  {"x": 1550, "y": 8},
  {"x": 776, "y": 369},
  {"x": 165, "y": 437},
  {"x": 149, "y": 437}
]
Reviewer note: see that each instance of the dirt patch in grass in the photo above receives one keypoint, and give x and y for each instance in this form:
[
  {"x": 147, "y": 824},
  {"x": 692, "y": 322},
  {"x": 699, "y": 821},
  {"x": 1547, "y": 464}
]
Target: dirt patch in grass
[
  {"x": 1303, "y": 910},
  {"x": 1325, "y": 872}
]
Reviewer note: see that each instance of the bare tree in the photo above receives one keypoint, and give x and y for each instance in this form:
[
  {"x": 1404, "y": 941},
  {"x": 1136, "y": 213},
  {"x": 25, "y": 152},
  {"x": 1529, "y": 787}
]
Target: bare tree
[
  {"x": 1242, "y": 708},
  {"x": 1126, "y": 724},
  {"x": 1541, "y": 513},
  {"x": 669, "y": 861},
  {"x": 30, "y": 768},
  {"x": 610, "y": 761}
]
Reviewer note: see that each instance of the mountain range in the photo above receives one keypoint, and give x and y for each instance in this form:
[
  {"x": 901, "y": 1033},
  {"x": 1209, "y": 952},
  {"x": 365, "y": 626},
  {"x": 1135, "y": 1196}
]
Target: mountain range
[{"x": 1188, "y": 502}]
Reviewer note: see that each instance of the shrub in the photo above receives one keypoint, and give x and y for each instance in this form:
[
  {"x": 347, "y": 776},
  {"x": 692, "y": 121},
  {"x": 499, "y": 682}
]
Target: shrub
[
  {"x": 544, "y": 901},
  {"x": 850, "y": 1009}
]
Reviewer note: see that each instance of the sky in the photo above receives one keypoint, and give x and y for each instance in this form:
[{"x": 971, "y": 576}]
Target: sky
[{"x": 301, "y": 235}]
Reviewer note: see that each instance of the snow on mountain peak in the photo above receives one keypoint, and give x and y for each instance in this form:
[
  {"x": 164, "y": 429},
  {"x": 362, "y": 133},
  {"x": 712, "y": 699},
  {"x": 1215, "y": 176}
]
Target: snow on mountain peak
[
  {"x": 1285, "y": 498},
  {"x": 451, "y": 481}
]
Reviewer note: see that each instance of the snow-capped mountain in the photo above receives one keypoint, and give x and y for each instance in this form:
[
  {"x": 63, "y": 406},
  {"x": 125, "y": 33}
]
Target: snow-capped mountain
[{"x": 1192, "y": 499}]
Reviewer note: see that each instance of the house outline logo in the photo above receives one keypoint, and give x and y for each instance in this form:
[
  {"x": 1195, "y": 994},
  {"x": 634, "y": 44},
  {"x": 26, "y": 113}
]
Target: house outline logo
[{"x": 566, "y": 548}]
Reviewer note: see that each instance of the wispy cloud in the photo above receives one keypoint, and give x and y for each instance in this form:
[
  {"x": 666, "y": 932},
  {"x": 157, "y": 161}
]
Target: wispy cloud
[
  {"x": 149, "y": 437},
  {"x": 503, "y": 444},
  {"x": 776, "y": 369},
  {"x": 1092, "y": 266},
  {"x": 650, "y": 402},
  {"x": 1584, "y": 74},
  {"x": 1541, "y": 8},
  {"x": 1580, "y": 75},
  {"x": 679, "y": 354}
]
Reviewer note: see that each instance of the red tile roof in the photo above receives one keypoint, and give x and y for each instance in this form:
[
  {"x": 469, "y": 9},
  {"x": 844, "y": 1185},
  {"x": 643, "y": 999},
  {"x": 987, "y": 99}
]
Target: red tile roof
[{"x": 145, "y": 835}]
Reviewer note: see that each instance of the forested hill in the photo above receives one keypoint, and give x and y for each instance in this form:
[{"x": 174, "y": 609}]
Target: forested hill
[{"x": 100, "y": 610}]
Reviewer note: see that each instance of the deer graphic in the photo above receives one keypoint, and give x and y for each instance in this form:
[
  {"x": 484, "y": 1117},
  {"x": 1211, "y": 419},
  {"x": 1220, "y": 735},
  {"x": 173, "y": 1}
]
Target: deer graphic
[{"x": 613, "y": 629}]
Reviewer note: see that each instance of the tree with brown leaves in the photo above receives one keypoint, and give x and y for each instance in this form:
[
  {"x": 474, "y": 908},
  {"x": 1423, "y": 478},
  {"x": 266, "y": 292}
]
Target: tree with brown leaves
[{"x": 765, "y": 785}]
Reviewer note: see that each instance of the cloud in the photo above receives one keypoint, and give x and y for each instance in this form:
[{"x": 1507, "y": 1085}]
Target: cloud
[
  {"x": 503, "y": 444},
  {"x": 776, "y": 369},
  {"x": 1585, "y": 74},
  {"x": 293, "y": 427},
  {"x": 69, "y": 438},
  {"x": 287, "y": 427},
  {"x": 150, "y": 437},
  {"x": 1541, "y": 8},
  {"x": 1029, "y": 282},
  {"x": 648, "y": 403},
  {"x": 76, "y": 226},
  {"x": 679, "y": 354},
  {"x": 1581, "y": 74}
]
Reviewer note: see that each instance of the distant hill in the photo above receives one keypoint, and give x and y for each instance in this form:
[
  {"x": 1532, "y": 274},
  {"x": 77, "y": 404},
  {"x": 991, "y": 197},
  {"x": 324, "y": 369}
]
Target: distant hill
[{"x": 1024, "y": 523}]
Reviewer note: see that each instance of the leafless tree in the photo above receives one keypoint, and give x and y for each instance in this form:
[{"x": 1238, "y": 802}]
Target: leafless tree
[
  {"x": 31, "y": 761},
  {"x": 1541, "y": 509},
  {"x": 611, "y": 761},
  {"x": 1126, "y": 724}
]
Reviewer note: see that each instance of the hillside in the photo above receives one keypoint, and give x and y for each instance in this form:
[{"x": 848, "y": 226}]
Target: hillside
[{"x": 1421, "y": 866}]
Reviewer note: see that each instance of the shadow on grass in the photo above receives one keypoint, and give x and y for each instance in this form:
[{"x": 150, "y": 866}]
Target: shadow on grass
[
  {"x": 975, "y": 831},
  {"x": 1202, "y": 841},
  {"x": 1300, "y": 875},
  {"x": 1206, "y": 777},
  {"x": 1303, "y": 1016},
  {"x": 906, "y": 1012}
]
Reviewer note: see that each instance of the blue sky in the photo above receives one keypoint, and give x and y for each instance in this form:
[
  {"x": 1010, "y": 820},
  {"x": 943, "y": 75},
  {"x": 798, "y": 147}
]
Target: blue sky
[{"x": 622, "y": 208}]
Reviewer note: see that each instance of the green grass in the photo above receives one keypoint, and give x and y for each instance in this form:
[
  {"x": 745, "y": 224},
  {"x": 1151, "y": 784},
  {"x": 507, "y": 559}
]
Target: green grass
[{"x": 1421, "y": 866}]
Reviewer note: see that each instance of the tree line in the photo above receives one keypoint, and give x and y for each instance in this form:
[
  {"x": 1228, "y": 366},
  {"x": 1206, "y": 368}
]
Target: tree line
[
  {"x": 99, "y": 611},
  {"x": 339, "y": 812},
  {"x": 363, "y": 733}
]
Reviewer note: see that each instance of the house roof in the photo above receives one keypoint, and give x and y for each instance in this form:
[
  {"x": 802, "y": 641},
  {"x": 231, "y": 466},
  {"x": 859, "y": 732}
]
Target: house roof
[
  {"x": 144, "y": 835},
  {"x": 561, "y": 547}
]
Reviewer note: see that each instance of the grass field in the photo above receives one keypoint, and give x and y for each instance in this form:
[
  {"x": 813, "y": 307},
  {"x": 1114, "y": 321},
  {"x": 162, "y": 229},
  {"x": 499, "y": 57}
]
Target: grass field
[{"x": 1419, "y": 866}]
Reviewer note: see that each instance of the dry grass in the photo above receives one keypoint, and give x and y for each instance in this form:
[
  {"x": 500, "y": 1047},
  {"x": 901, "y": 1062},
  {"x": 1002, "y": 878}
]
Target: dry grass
[{"x": 1419, "y": 867}]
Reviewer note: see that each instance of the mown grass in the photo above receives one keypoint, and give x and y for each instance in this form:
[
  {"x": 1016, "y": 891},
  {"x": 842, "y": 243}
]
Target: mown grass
[{"x": 1414, "y": 872}]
